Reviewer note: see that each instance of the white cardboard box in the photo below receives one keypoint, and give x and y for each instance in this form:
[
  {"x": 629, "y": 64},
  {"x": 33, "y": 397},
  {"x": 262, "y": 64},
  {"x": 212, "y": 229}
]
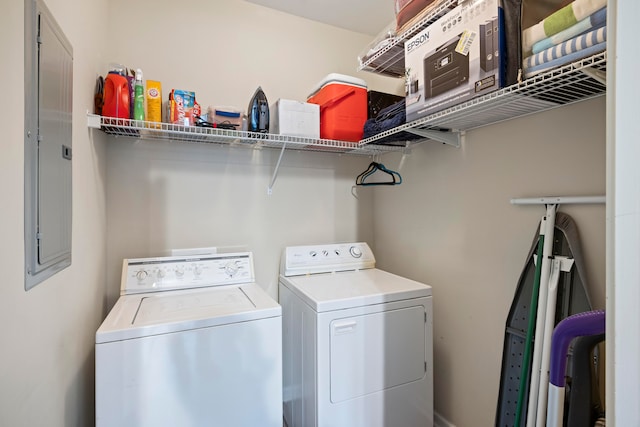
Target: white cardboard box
[
  {"x": 295, "y": 118},
  {"x": 458, "y": 57}
]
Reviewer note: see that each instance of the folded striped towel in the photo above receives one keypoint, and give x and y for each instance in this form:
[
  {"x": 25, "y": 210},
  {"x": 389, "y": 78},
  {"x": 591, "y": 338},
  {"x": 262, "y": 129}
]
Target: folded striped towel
[
  {"x": 564, "y": 60},
  {"x": 576, "y": 44},
  {"x": 559, "y": 20},
  {"x": 593, "y": 21}
]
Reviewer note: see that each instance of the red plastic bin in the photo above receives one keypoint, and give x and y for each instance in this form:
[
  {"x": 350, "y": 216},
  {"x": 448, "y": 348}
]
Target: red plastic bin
[{"x": 343, "y": 107}]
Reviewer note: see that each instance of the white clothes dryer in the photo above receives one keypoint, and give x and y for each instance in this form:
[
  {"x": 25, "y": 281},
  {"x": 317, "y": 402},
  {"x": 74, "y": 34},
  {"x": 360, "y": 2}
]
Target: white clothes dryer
[
  {"x": 192, "y": 341},
  {"x": 357, "y": 341}
]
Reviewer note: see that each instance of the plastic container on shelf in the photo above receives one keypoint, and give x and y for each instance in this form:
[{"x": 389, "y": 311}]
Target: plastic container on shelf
[
  {"x": 116, "y": 95},
  {"x": 225, "y": 115},
  {"x": 343, "y": 107}
]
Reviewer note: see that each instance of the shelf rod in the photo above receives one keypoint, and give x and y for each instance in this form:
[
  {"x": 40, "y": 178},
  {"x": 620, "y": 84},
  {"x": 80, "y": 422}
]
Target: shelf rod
[
  {"x": 275, "y": 172},
  {"x": 560, "y": 200}
]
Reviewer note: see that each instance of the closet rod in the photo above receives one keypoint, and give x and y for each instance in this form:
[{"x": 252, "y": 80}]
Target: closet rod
[{"x": 560, "y": 200}]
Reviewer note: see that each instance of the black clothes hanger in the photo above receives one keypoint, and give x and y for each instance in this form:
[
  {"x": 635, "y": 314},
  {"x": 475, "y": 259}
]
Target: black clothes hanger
[
  {"x": 370, "y": 169},
  {"x": 395, "y": 178}
]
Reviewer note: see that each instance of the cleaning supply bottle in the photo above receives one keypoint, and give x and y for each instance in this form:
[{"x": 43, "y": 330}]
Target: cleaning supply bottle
[
  {"x": 138, "y": 103},
  {"x": 116, "y": 95}
]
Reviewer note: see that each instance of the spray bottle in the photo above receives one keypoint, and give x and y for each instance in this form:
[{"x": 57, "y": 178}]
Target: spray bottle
[{"x": 138, "y": 102}]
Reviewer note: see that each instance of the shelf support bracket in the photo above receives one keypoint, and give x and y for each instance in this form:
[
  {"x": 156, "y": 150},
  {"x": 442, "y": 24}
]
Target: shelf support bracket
[
  {"x": 597, "y": 75},
  {"x": 275, "y": 172},
  {"x": 453, "y": 138},
  {"x": 93, "y": 120}
]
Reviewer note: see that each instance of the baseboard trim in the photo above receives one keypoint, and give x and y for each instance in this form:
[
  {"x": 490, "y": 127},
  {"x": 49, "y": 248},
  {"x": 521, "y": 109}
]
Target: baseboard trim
[{"x": 440, "y": 421}]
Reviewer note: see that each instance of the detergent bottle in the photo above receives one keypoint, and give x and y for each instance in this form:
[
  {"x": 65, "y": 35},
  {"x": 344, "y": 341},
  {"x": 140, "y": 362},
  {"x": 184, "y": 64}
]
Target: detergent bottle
[{"x": 116, "y": 95}]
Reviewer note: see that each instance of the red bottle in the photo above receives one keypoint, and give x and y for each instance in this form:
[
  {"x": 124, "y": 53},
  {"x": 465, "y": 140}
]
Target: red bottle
[{"x": 116, "y": 97}]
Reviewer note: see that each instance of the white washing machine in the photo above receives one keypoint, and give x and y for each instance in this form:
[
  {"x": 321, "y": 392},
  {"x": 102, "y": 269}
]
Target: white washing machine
[
  {"x": 192, "y": 341},
  {"x": 357, "y": 341}
]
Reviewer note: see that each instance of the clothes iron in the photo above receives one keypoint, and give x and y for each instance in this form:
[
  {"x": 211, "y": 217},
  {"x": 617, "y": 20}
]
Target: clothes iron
[{"x": 258, "y": 112}]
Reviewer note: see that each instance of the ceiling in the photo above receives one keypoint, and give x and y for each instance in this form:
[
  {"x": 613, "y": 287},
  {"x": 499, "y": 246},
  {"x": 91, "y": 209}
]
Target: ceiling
[{"x": 362, "y": 16}]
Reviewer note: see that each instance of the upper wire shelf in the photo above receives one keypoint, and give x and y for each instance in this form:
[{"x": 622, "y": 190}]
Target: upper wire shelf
[
  {"x": 578, "y": 81},
  {"x": 389, "y": 60}
]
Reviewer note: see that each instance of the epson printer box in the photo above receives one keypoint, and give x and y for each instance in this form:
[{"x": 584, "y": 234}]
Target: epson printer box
[{"x": 458, "y": 57}]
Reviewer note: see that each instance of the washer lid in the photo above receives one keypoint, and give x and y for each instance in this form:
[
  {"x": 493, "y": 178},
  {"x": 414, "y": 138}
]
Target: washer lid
[
  {"x": 341, "y": 290},
  {"x": 140, "y": 315}
]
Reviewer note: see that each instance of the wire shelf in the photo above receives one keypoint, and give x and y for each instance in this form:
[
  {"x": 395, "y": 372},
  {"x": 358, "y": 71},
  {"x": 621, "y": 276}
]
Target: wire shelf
[
  {"x": 202, "y": 135},
  {"x": 389, "y": 60},
  {"x": 571, "y": 83}
]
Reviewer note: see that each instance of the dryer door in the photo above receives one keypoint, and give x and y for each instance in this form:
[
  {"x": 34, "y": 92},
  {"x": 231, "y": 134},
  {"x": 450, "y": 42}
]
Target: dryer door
[{"x": 373, "y": 352}]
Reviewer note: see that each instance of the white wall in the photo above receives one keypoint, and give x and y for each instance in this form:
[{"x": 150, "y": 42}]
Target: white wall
[
  {"x": 224, "y": 49},
  {"x": 164, "y": 196},
  {"x": 450, "y": 224},
  {"x": 172, "y": 195},
  {"x": 47, "y": 334}
]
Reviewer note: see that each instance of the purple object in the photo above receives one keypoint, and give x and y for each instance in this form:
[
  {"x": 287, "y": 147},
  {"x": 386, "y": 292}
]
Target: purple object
[
  {"x": 131, "y": 82},
  {"x": 581, "y": 324}
]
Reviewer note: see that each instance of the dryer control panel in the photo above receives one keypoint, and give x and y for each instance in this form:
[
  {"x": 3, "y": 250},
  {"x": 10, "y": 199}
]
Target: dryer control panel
[
  {"x": 185, "y": 272},
  {"x": 313, "y": 259}
]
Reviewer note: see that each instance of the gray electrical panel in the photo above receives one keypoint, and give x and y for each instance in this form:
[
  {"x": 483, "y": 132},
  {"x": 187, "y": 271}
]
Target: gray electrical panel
[{"x": 48, "y": 147}]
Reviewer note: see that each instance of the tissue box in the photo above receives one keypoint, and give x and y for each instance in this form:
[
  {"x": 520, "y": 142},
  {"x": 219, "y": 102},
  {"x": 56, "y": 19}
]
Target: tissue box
[
  {"x": 458, "y": 57},
  {"x": 295, "y": 118}
]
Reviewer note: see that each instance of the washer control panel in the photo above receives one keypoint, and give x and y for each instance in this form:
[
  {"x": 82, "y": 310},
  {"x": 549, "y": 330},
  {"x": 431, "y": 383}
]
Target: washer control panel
[
  {"x": 300, "y": 260},
  {"x": 185, "y": 272}
]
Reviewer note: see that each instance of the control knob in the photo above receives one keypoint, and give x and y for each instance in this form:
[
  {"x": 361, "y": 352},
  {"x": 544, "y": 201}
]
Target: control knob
[
  {"x": 179, "y": 271},
  {"x": 141, "y": 275},
  {"x": 197, "y": 269},
  {"x": 231, "y": 268},
  {"x": 355, "y": 251}
]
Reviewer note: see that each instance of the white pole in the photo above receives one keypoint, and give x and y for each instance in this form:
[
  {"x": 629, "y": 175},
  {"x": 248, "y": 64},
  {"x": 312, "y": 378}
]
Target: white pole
[
  {"x": 541, "y": 416},
  {"x": 547, "y": 251},
  {"x": 555, "y": 415},
  {"x": 558, "y": 264},
  {"x": 559, "y": 200}
]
